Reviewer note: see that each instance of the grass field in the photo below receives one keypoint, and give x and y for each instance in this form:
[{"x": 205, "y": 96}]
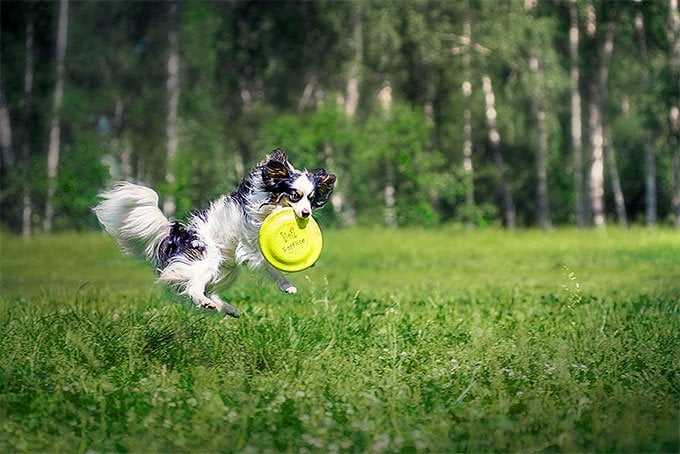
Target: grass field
[{"x": 405, "y": 340}]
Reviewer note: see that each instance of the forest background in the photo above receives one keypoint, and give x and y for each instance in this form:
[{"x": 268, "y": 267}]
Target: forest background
[{"x": 520, "y": 113}]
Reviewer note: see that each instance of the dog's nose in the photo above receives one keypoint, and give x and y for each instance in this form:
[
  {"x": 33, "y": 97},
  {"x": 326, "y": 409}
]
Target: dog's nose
[{"x": 305, "y": 213}]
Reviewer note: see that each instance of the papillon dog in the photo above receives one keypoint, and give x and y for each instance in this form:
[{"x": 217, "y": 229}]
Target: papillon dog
[{"x": 203, "y": 256}]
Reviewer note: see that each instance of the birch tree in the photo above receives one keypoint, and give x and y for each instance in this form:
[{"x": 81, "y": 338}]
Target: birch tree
[
  {"x": 538, "y": 110},
  {"x": 55, "y": 124},
  {"x": 389, "y": 192},
  {"x": 169, "y": 205},
  {"x": 675, "y": 163},
  {"x": 5, "y": 132},
  {"x": 466, "y": 87},
  {"x": 596, "y": 172},
  {"x": 608, "y": 144},
  {"x": 576, "y": 117},
  {"x": 27, "y": 206},
  {"x": 650, "y": 153},
  {"x": 509, "y": 213},
  {"x": 674, "y": 114}
]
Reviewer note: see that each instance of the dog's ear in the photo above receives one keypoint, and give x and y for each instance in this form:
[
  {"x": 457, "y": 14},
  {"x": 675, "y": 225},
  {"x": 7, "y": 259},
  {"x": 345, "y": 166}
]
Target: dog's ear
[
  {"x": 324, "y": 183},
  {"x": 275, "y": 169},
  {"x": 278, "y": 155}
]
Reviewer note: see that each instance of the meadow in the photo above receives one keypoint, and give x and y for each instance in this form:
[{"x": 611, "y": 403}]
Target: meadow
[{"x": 399, "y": 340}]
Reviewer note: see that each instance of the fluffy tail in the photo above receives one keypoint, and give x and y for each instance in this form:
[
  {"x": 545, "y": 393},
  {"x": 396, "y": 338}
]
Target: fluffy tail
[{"x": 130, "y": 214}]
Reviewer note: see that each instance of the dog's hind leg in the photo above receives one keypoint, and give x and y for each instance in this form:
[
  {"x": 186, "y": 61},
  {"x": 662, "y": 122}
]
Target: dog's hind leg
[
  {"x": 196, "y": 291},
  {"x": 194, "y": 277}
]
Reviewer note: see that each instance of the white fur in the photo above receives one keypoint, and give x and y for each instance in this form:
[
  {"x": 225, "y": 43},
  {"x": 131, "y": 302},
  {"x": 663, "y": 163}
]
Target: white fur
[{"x": 130, "y": 214}]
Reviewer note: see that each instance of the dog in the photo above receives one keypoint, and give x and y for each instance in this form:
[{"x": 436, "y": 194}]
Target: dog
[{"x": 202, "y": 257}]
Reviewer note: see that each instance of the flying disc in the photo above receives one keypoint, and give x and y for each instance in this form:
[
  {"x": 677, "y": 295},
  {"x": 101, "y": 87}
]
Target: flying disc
[{"x": 289, "y": 243}]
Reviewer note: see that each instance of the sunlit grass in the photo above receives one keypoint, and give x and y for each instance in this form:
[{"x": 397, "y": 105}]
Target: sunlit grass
[{"x": 436, "y": 340}]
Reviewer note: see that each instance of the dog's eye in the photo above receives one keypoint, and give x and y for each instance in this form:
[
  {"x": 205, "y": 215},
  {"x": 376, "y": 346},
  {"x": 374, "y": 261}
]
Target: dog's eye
[{"x": 295, "y": 196}]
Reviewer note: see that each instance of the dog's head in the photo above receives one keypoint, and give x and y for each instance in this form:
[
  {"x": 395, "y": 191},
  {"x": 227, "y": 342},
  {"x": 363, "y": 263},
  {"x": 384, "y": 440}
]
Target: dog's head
[{"x": 301, "y": 190}]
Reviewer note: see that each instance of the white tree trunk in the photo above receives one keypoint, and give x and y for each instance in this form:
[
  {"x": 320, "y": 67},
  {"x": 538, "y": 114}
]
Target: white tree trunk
[
  {"x": 619, "y": 200},
  {"x": 5, "y": 132},
  {"x": 576, "y": 118},
  {"x": 598, "y": 90},
  {"x": 509, "y": 213},
  {"x": 169, "y": 205},
  {"x": 27, "y": 211},
  {"x": 675, "y": 143},
  {"x": 55, "y": 127},
  {"x": 385, "y": 100},
  {"x": 538, "y": 107},
  {"x": 468, "y": 166},
  {"x": 596, "y": 175},
  {"x": 352, "y": 91},
  {"x": 650, "y": 153}
]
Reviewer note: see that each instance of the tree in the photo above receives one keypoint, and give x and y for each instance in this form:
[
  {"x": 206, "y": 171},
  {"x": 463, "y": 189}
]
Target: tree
[
  {"x": 650, "y": 154},
  {"x": 5, "y": 132},
  {"x": 27, "y": 210},
  {"x": 576, "y": 117},
  {"x": 596, "y": 172},
  {"x": 674, "y": 114},
  {"x": 55, "y": 127},
  {"x": 608, "y": 145},
  {"x": 509, "y": 213},
  {"x": 538, "y": 108},
  {"x": 169, "y": 204}
]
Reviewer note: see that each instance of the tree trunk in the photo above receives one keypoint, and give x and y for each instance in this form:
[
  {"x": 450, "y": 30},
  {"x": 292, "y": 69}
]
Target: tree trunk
[
  {"x": 576, "y": 121},
  {"x": 598, "y": 86},
  {"x": 596, "y": 174},
  {"x": 538, "y": 108},
  {"x": 352, "y": 91},
  {"x": 610, "y": 152},
  {"x": 5, "y": 132},
  {"x": 169, "y": 205},
  {"x": 385, "y": 100},
  {"x": 650, "y": 153},
  {"x": 307, "y": 97},
  {"x": 619, "y": 200},
  {"x": 675, "y": 143},
  {"x": 55, "y": 127},
  {"x": 468, "y": 167},
  {"x": 27, "y": 211},
  {"x": 674, "y": 115},
  {"x": 495, "y": 141}
]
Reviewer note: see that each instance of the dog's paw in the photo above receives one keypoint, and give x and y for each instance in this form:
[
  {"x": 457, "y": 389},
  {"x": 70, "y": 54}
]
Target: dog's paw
[
  {"x": 230, "y": 310},
  {"x": 292, "y": 290},
  {"x": 217, "y": 304}
]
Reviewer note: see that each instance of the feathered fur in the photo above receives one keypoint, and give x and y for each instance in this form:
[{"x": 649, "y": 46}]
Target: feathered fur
[{"x": 203, "y": 256}]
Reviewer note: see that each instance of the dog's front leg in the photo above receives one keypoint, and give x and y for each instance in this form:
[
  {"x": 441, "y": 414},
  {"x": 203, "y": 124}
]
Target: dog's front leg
[{"x": 281, "y": 282}]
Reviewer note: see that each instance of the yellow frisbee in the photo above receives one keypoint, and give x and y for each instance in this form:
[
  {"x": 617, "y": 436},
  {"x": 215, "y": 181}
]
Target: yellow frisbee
[{"x": 289, "y": 243}]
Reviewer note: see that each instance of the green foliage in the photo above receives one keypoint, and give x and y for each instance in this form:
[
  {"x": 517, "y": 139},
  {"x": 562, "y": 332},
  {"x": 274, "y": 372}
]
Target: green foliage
[
  {"x": 79, "y": 182},
  {"x": 441, "y": 340},
  {"x": 253, "y": 79}
]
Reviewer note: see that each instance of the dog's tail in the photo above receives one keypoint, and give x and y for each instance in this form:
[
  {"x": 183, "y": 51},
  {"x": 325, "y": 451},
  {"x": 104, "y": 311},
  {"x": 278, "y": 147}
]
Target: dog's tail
[{"x": 130, "y": 214}]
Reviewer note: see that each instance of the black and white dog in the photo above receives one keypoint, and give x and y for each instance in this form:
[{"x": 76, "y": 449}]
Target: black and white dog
[{"x": 202, "y": 258}]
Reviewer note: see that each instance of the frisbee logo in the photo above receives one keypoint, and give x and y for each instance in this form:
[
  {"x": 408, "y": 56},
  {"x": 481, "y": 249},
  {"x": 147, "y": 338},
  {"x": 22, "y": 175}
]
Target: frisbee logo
[{"x": 294, "y": 246}]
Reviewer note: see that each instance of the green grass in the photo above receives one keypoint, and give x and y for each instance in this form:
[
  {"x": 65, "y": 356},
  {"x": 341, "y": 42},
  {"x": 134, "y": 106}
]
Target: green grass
[{"x": 443, "y": 340}]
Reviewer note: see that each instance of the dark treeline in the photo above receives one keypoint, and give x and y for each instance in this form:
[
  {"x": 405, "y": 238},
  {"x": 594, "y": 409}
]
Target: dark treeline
[{"x": 515, "y": 112}]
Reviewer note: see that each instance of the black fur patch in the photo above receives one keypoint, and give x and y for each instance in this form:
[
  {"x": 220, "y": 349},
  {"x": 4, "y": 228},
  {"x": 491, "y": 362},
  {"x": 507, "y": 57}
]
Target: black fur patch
[
  {"x": 275, "y": 171},
  {"x": 199, "y": 214},
  {"x": 181, "y": 241},
  {"x": 240, "y": 194},
  {"x": 324, "y": 183}
]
